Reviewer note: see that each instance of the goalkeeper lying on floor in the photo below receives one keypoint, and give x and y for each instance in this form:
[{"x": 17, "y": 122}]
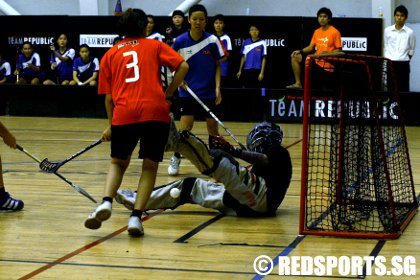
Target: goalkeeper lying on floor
[{"x": 253, "y": 191}]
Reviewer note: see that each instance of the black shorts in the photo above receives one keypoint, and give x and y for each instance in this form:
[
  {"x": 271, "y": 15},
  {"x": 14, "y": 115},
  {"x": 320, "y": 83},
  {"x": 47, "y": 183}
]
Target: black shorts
[
  {"x": 190, "y": 107},
  {"x": 323, "y": 79},
  {"x": 249, "y": 78},
  {"x": 153, "y": 136},
  {"x": 402, "y": 75}
]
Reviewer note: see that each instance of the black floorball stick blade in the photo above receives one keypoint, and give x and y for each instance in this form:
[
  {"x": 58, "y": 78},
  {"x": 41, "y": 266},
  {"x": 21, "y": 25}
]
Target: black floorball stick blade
[
  {"x": 76, "y": 187},
  {"x": 53, "y": 166}
]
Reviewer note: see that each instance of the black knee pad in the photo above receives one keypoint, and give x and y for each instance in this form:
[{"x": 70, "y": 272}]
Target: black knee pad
[
  {"x": 186, "y": 134},
  {"x": 187, "y": 186}
]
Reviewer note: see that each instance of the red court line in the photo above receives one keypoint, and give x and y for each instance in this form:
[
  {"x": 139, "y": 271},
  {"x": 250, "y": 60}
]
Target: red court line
[
  {"x": 82, "y": 249},
  {"x": 97, "y": 242}
]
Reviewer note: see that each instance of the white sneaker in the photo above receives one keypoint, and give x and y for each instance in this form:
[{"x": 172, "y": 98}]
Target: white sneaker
[
  {"x": 126, "y": 198},
  {"x": 135, "y": 227},
  {"x": 173, "y": 168},
  {"x": 102, "y": 213}
]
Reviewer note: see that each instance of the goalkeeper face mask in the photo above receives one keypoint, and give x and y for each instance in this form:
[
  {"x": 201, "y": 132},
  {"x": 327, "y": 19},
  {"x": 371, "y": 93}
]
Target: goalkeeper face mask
[{"x": 264, "y": 135}]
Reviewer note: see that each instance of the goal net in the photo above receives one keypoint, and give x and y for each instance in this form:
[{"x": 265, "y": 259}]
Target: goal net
[{"x": 356, "y": 172}]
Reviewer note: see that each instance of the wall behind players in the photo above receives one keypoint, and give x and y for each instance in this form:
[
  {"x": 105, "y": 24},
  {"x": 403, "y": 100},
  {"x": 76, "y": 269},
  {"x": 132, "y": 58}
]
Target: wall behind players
[{"x": 282, "y": 34}]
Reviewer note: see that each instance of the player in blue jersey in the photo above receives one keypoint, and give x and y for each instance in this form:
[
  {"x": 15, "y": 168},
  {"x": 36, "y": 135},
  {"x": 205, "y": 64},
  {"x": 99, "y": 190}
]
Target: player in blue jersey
[
  {"x": 61, "y": 62},
  {"x": 150, "y": 30},
  {"x": 28, "y": 66},
  {"x": 85, "y": 68},
  {"x": 253, "y": 60},
  {"x": 202, "y": 51},
  {"x": 219, "y": 25},
  {"x": 5, "y": 71}
]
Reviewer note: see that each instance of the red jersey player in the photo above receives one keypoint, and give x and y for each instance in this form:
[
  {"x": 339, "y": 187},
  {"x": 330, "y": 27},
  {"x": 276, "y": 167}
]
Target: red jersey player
[{"x": 137, "y": 110}]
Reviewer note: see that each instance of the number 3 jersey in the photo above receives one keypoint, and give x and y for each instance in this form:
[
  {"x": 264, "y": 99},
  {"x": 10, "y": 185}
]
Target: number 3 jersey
[{"x": 130, "y": 71}]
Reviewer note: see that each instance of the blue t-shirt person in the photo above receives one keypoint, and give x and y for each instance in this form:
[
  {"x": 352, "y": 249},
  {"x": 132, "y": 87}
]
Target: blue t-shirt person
[{"x": 201, "y": 57}]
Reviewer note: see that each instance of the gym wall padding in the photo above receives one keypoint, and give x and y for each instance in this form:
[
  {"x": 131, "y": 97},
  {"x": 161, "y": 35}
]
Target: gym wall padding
[{"x": 282, "y": 34}]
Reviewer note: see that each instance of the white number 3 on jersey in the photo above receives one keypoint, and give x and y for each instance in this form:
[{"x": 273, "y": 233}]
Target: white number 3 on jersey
[{"x": 133, "y": 65}]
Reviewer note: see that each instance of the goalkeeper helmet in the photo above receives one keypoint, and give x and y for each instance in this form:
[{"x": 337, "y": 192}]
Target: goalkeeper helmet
[{"x": 264, "y": 135}]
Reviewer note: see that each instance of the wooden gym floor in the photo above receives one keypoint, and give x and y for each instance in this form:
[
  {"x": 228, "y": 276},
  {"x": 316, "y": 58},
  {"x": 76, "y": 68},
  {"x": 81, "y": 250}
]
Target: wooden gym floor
[{"x": 49, "y": 241}]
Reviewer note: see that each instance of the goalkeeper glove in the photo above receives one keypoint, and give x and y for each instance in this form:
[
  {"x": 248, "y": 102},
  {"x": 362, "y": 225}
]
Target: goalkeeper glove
[{"x": 218, "y": 142}]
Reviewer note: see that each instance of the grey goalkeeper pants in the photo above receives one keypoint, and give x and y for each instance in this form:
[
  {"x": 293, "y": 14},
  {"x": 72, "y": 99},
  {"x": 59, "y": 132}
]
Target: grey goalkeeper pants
[
  {"x": 193, "y": 190},
  {"x": 242, "y": 184}
]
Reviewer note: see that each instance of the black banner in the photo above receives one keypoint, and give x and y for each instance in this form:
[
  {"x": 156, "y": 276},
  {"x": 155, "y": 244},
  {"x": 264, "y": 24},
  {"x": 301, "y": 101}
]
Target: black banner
[{"x": 282, "y": 35}]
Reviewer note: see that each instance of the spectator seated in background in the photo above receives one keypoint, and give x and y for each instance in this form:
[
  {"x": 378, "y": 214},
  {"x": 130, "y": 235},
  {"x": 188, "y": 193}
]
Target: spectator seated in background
[
  {"x": 5, "y": 71},
  {"x": 326, "y": 40},
  {"x": 85, "y": 68},
  {"x": 28, "y": 67},
  {"x": 61, "y": 62}
]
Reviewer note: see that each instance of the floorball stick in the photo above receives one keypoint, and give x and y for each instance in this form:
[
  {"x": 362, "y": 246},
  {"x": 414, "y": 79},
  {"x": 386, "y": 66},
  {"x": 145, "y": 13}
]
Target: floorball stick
[
  {"x": 17, "y": 63},
  {"x": 76, "y": 187},
  {"x": 187, "y": 88},
  {"x": 53, "y": 166}
]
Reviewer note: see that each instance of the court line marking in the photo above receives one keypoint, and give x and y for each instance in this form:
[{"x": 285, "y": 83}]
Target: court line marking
[
  {"x": 97, "y": 242},
  {"x": 289, "y": 248},
  {"x": 134, "y": 267},
  {"x": 374, "y": 253},
  {"x": 197, "y": 229},
  {"x": 298, "y": 239},
  {"x": 82, "y": 249}
]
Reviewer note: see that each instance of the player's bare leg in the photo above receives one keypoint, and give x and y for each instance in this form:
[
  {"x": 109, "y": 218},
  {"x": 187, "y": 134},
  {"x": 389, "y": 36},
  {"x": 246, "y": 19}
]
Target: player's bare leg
[
  {"x": 297, "y": 70},
  {"x": 114, "y": 178},
  {"x": 212, "y": 127},
  {"x": 146, "y": 184}
]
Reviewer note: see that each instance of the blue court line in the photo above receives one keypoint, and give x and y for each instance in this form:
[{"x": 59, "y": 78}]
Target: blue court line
[
  {"x": 351, "y": 188},
  {"x": 374, "y": 253},
  {"x": 300, "y": 238},
  {"x": 322, "y": 216},
  {"x": 370, "y": 170},
  {"x": 285, "y": 252}
]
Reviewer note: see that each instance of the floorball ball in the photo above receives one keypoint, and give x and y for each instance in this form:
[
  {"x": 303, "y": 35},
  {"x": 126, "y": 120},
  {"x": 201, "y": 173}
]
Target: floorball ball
[{"x": 175, "y": 193}]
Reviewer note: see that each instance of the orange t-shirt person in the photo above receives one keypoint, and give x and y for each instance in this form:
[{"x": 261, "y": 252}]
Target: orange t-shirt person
[{"x": 325, "y": 40}]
